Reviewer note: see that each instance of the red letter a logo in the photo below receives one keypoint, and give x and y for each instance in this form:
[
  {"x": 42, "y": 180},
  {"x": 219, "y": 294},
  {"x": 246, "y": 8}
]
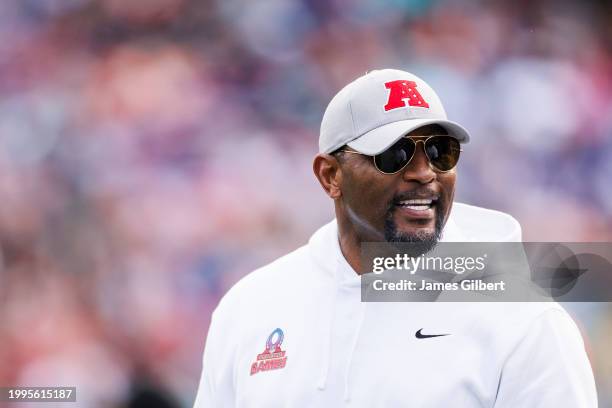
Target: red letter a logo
[{"x": 401, "y": 90}]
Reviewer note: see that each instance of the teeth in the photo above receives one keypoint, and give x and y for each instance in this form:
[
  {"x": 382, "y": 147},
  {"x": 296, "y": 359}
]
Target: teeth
[
  {"x": 417, "y": 204},
  {"x": 420, "y": 201},
  {"x": 417, "y": 207}
]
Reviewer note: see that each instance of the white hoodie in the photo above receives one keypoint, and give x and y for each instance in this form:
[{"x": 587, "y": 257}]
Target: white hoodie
[{"x": 295, "y": 334}]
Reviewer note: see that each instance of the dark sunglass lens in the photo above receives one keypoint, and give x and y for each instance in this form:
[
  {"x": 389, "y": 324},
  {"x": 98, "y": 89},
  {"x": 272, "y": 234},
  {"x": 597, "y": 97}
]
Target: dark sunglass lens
[
  {"x": 443, "y": 152},
  {"x": 395, "y": 157}
]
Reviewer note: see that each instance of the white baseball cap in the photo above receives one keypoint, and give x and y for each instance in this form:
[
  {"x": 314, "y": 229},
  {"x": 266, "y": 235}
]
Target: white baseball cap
[{"x": 374, "y": 111}]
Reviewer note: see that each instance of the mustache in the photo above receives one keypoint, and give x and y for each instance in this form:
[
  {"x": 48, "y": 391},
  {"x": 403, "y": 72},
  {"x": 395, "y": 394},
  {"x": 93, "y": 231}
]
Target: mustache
[{"x": 424, "y": 192}]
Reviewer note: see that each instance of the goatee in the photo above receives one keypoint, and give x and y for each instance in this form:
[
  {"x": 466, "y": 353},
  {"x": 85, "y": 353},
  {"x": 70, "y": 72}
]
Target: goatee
[{"x": 422, "y": 242}]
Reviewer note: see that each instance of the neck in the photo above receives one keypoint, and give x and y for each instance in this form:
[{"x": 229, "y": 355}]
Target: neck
[
  {"x": 350, "y": 239},
  {"x": 351, "y": 248}
]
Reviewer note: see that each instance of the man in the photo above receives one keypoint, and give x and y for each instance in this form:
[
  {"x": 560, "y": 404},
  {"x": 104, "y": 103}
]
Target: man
[{"x": 296, "y": 334}]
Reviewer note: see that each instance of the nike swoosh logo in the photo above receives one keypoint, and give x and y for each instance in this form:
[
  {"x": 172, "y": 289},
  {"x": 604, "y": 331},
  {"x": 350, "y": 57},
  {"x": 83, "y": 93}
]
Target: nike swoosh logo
[{"x": 420, "y": 335}]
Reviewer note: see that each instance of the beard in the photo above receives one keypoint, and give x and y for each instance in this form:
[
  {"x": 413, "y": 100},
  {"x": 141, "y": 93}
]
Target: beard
[{"x": 421, "y": 241}]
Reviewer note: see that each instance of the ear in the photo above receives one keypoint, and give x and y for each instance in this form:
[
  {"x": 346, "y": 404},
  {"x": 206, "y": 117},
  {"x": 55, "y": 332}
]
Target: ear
[{"x": 327, "y": 170}]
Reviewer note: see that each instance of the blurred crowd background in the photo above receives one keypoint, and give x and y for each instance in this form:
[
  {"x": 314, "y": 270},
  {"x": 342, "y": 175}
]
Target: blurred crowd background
[{"x": 152, "y": 152}]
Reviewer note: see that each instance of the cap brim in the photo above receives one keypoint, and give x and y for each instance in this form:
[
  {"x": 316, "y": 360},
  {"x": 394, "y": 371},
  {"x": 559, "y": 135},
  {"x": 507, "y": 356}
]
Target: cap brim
[{"x": 380, "y": 139}]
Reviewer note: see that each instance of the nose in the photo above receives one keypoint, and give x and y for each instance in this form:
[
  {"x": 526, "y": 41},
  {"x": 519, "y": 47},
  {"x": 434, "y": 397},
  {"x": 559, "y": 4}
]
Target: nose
[{"x": 419, "y": 170}]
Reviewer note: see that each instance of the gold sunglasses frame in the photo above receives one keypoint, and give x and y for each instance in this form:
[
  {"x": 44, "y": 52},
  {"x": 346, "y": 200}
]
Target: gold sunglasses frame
[{"x": 416, "y": 146}]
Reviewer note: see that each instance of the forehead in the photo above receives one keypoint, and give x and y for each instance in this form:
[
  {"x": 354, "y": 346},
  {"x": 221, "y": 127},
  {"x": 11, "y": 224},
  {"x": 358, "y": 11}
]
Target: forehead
[{"x": 428, "y": 130}]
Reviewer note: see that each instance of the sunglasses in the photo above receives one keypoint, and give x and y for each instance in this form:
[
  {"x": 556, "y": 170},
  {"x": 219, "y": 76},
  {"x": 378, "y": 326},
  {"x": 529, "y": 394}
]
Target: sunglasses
[{"x": 442, "y": 153}]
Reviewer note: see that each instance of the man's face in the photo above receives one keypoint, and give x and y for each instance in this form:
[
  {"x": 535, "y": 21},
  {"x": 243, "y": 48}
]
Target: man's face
[{"x": 387, "y": 207}]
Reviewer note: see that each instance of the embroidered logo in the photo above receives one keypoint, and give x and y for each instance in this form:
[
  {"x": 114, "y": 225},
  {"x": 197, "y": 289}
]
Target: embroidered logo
[
  {"x": 399, "y": 91},
  {"x": 273, "y": 357}
]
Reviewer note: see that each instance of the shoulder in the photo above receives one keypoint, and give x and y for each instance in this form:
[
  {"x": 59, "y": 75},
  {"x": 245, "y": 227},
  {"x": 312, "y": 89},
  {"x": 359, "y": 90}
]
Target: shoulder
[
  {"x": 289, "y": 280},
  {"x": 266, "y": 280},
  {"x": 520, "y": 315},
  {"x": 483, "y": 224},
  {"x": 507, "y": 325},
  {"x": 548, "y": 353}
]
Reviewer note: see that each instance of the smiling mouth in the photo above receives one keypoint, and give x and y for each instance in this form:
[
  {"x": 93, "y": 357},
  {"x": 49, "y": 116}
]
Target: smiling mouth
[{"x": 416, "y": 216}]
